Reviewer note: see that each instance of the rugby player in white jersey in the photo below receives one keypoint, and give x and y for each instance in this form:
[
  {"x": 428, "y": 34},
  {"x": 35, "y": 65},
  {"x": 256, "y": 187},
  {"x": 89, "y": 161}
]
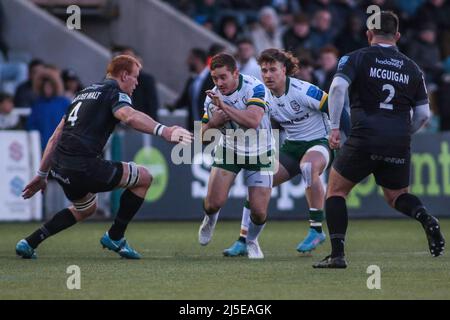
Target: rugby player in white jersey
[
  {"x": 300, "y": 109},
  {"x": 239, "y": 102}
]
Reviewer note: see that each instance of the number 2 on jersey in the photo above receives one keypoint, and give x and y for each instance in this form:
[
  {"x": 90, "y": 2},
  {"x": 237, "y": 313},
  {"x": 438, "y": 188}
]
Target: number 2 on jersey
[
  {"x": 386, "y": 104},
  {"x": 73, "y": 116}
]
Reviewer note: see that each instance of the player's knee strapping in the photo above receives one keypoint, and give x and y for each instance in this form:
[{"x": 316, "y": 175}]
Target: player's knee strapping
[
  {"x": 306, "y": 168},
  {"x": 306, "y": 173},
  {"x": 133, "y": 175},
  {"x": 85, "y": 205}
]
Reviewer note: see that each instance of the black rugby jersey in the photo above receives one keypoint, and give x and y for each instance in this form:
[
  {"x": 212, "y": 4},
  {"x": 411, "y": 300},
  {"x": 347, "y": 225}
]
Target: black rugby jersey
[{"x": 384, "y": 86}]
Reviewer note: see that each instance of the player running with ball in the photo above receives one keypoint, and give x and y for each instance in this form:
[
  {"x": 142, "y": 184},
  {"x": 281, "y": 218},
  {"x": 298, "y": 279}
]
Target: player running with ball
[
  {"x": 300, "y": 109},
  {"x": 240, "y": 100}
]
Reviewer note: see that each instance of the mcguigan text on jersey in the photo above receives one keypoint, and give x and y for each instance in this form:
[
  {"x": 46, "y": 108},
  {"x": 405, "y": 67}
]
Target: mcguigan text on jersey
[{"x": 389, "y": 75}]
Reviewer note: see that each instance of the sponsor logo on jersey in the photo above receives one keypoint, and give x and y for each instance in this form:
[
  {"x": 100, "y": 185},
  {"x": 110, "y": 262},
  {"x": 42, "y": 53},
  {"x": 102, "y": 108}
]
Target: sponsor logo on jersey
[
  {"x": 233, "y": 102},
  {"x": 315, "y": 93},
  {"x": 94, "y": 87},
  {"x": 59, "y": 177},
  {"x": 342, "y": 61},
  {"x": 295, "y": 106},
  {"x": 296, "y": 120},
  {"x": 393, "y": 160},
  {"x": 259, "y": 91},
  {"x": 391, "y": 62}
]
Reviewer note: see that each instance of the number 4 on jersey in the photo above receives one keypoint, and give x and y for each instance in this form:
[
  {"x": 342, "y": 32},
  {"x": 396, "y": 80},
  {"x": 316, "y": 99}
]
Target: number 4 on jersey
[{"x": 73, "y": 116}]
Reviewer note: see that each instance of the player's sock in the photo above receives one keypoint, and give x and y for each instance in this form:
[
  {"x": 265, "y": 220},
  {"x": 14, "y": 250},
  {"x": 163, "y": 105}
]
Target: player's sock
[
  {"x": 245, "y": 222},
  {"x": 213, "y": 216},
  {"x": 337, "y": 220},
  {"x": 315, "y": 219},
  {"x": 411, "y": 206},
  {"x": 60, "y": 221},
  {"x": 129, "y": 205},
  {"x": 254, "y": 229}
]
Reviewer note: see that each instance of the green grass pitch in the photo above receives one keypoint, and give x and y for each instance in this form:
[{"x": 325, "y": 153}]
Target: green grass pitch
[{"x": 175, "y": 266}]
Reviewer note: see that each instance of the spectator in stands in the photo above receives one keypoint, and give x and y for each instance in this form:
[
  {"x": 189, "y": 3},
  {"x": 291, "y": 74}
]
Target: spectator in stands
[
  {"x": 193, "y": 95},
  {"x": 425, "y": 52},
  {"x": 352, "y": 36},
  {"x": 25, "y": 95},
  {"x": 208, "y": 24},
  {"x": 145, "y": 96},
  {"x": 299, "y": 35},
  {"x": 8, "y": 119},
  {"x": 229, "y": 29},
  {"x": 287, "y": 9},
  {"x": 206, "y": 10},
  {"x": 268, "y": 33},
  {"x": 328, "y": 59},
  {"x": 438, "y": 13},
  {"x": 311, "y": 7},
  {"x": 246, "y": 5},
  {"x": 408, "y": 8},
  {"x": 246, "y": 59},
  {"x": 339, "y": 10},
  {"x": 51, "y": 105},
  {"x": 322, "y": 33},
  {"x": 306, "y": 70},
  {"x": 12, "y": 71},
  {"x": 72, "y": 83},
  {"x": 3, "y": 45},
  {"x": 214, "y": 49}
]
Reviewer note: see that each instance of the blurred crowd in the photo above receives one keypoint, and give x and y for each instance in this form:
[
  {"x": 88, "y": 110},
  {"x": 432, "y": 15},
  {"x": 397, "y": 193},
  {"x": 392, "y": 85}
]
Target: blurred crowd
[
  {"x": 43, "y": 97},
  {"x": 46, "y": 93},
  {"x": 318, "y": 32}
]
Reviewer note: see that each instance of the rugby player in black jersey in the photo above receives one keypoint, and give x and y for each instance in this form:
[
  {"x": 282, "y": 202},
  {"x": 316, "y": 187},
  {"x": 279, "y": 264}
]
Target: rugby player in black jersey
[{"x": 384, "y": 86}]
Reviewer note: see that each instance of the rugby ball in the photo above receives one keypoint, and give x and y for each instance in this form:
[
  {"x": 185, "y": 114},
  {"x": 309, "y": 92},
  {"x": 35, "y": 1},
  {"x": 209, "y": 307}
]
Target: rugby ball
[{"x": 228, "y": 125}]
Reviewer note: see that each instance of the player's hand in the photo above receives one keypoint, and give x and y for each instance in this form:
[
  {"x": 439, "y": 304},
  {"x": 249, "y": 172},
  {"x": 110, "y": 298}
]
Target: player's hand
[
  {"x": 335, "y": 139},
  {"x": 37, "y": 184},
  {"x": 215, "y": 97},
  {"x": 176, "y": 134}
]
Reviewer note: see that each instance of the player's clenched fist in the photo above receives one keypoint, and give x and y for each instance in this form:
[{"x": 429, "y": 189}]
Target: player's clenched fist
[{"x": 335, "y": 139}]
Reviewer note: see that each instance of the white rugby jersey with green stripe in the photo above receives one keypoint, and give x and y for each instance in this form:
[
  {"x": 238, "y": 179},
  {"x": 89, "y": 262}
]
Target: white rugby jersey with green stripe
[
  {"x": 250, "y": 91},
  {"x": 301, "y": 111}
]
